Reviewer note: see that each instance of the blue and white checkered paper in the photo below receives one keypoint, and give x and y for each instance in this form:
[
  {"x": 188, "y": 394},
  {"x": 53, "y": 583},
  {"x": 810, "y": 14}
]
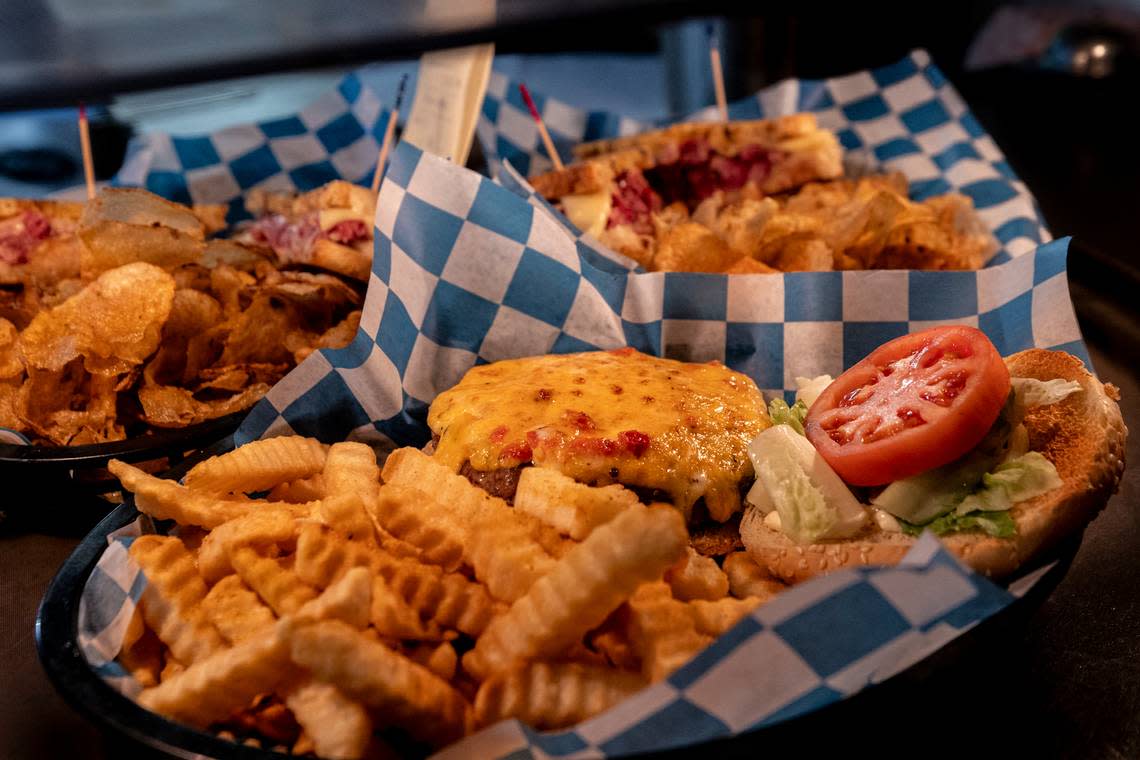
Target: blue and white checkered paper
[
  {"x": 905, "y": 117},
  {"x": 466, "y": 271},
  {"x": 335, "y": 137}
]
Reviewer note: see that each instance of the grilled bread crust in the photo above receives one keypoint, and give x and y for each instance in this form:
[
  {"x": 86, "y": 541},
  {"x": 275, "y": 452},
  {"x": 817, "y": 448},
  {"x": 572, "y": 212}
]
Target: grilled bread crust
[
  {"x": 724, "y": 137},
  {"x": 809, "y": 153}
]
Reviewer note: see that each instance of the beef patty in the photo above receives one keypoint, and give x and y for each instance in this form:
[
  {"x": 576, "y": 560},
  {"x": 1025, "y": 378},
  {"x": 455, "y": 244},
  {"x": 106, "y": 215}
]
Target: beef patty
[
  {"x": 502, "y": 483},
  {"x": 710, "y": 538}
]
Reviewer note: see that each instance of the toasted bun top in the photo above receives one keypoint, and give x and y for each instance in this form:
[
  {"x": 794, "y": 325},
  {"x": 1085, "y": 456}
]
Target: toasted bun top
[{"x": 1082, "y": 435}]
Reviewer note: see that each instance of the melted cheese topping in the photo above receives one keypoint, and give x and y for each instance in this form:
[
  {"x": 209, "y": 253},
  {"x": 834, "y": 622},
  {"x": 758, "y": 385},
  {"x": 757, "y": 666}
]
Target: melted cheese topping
[
  {"x": 606, "y": 417},
  {"x": 588, "y": 212}
]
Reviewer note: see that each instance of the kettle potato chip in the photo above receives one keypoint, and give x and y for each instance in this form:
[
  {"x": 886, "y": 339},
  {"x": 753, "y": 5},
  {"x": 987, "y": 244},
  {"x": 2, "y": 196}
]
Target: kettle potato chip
[
  {"x": 114, "y": 323},
  {"x": 188, "y": 327}
]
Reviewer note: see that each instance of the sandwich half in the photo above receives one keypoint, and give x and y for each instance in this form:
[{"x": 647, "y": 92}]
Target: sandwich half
[
  {"x": 37, "y": 240},
  {"x": 328, "y": 228},
  {"x": 618, "y": 186}
]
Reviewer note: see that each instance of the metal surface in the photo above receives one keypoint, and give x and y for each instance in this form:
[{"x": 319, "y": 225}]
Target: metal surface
[{"x": 60, "y": 51}]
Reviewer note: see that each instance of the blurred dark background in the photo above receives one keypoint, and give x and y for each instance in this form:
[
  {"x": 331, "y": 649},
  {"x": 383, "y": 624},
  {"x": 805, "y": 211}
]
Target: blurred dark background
[{"x": 1053, "y": 83}]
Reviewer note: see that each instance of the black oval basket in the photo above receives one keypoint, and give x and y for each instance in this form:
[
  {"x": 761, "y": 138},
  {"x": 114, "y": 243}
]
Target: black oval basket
[
  {"x": 57, "y": 627},
  {"x": 55, "y": 489}
]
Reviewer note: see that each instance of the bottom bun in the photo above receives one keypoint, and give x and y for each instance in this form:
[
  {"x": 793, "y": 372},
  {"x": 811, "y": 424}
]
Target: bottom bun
[{"x": 1083, "y": 436}]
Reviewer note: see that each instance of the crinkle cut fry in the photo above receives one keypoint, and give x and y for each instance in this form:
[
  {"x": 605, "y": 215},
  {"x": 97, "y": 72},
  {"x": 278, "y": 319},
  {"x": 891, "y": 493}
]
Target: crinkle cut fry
[
  {"x": 215, "y": 687},
  {"x": 279, "y": 587},
  {"x": 338, "y": 726},
  {"x": 323, "y": 555},
  {"x": 714, "y": 618},
  {"x": 235, "y": 610},
  {"x": 548, "y": 695},
  {"x": 349, "y": 600},
  {"x": 394, "y": 618},
  {"x": 746, "y": 578},
  {"x": 696, "y": 576},
  {"x": 258, "y": 465},
  {"x": 582, "y": 589},
  {"x": 440, "y": 658},
  {"x": 167, "y": 500},
  {"x": 563, "y": 503},
  {"x": 405, "y": 693},
  {"x": 299, "y": 491},
  {"x": 346, "y": 513},
  {"x": 663, "y": 631},
  {"x": 355, "y": 470},
  {"x": 351, "y": 477},
  {"x": 143, "y": 657},
  {"x": 502, "y": 545},
  {"x": 171, "y": 601},
  {"x": 227, "y": 681},
  {"x": 264, "y": 525},
  {"x": 449, "y": 599},
  {"x": 438, "y": 534}
]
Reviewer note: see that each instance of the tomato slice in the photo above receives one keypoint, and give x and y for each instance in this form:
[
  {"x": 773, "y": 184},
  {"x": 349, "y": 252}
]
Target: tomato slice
[{"x": 915, "y": 403}]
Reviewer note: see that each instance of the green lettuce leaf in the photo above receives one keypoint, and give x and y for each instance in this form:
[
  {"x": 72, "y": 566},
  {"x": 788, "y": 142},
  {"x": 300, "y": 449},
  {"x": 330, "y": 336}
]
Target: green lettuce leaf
[
  {"x": 792, "y": 416},
  {"x": 997, "y": 524},
  {"x": 1021, "y": 478},
  {"x": 1029, "y": 392},
  {"x": 805, "y": 515},
  {"x": 808, "y": 389}
]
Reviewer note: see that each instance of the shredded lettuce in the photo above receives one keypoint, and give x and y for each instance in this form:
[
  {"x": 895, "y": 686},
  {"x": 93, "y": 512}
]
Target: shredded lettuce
[
  {"x": 793, "y": 480},
  {"x": 792, "y": 416},
  {"x": 805, "y": 515},
  {"x": 1021, "y": 478},
  {"x": 809, "y": 388},
  {"x": 1029, "y": 391},
  {"x": 987, "y": 508},
  {"x": 997, "y": 524}
]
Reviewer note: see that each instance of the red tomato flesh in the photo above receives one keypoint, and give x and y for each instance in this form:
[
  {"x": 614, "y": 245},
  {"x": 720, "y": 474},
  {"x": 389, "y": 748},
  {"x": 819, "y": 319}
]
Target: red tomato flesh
[{"x": 915, "y": 403}]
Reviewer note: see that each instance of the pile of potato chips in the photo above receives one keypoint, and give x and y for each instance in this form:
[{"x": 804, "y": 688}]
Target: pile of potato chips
[
  {"x": 310, "y": 602},
  {"x": 863, "y": 223},
  {"x": 137, "y": 318}
]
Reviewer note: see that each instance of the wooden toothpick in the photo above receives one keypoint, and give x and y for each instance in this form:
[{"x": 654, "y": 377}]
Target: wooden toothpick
[
  {"x": 389, "y": 133},
  {"x": 717, "y": 74},
  {"x": 85, "y": 147},
  {"x": 546, "y": 141}
]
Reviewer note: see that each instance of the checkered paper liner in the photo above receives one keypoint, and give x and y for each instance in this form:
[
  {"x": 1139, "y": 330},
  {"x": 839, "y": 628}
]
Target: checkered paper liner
[
  {"x": 466, "y": 271},
  {"x": 337, "y": 136},
  {"x": 772, "y": 666},
  {"x": 905, "y": 117}
]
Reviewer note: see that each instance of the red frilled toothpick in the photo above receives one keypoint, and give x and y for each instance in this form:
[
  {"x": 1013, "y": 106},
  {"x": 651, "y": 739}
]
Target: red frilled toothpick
[
  {"x": 546, "y": 141},
  {"x": 389, "y": 133},
  {"x": 717, "y": 74},
  {"x": 85, "y": 148}
]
